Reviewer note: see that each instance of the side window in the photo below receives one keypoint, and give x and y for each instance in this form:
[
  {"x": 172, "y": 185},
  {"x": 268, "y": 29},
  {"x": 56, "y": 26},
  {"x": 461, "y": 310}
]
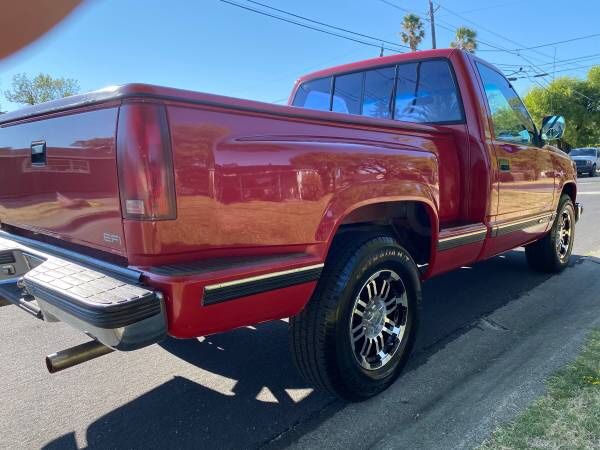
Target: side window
[
  {"x": 347, "y": 93},
  {"x": 314, "y": 94},
  {"x": 511, "y": 120},
  {"x": 377, "y": 98},
  {"x": 426, "y": 93}
]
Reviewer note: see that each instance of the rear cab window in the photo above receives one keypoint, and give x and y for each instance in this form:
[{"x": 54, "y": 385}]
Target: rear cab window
[
  {"x": 315, "y": 94},
  {"x": 347, "y": 93},
  {"x": 426, "y": 92},
  {"x": 420, "y": 91},
  {"x": 378, "y": 90}
]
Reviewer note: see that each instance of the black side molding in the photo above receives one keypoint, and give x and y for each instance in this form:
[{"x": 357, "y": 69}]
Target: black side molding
[
  {"x": 231, "y": 290},
  {"x": 500, "y": 230},
  {"x": 461, "y": 239}
]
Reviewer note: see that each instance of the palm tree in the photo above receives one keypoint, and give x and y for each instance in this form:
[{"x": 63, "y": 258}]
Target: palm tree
[
  {"x": 465, "y": 39},
  {"x": 413, "y": 32}
]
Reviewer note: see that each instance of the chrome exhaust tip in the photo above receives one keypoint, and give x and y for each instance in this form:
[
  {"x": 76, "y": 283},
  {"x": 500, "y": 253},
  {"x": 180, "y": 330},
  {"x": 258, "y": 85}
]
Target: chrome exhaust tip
[{"x": 76, "y": 355}]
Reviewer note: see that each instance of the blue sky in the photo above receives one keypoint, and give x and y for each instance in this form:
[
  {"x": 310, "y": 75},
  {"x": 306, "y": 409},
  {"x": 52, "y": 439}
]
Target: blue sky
[{"x": 210, "y": 46}]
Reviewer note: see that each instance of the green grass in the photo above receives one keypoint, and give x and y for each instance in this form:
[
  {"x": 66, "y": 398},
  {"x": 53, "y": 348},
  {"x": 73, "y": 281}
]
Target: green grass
[{"x": 567, "y": 417}]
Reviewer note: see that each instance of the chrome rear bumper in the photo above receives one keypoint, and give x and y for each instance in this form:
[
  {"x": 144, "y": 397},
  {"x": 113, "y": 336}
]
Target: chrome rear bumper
[{"x": 108, "y": 304}]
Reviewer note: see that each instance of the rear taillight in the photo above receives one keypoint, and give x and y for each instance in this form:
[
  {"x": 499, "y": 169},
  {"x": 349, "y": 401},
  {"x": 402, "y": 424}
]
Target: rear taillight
[{"x": 145, "y": 163}]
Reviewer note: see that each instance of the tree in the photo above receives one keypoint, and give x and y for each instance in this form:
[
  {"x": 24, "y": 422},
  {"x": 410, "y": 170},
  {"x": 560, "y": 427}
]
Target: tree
[
  {"x": 40, "y": 89},
  {"x": 575, "y": 99},
  {"x": 465, "y": 39},
  {"x": 413, "y": 32}
]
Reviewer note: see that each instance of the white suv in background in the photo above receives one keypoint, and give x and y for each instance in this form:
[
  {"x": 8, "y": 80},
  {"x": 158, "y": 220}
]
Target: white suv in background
[{"x": 587, "y": 160}]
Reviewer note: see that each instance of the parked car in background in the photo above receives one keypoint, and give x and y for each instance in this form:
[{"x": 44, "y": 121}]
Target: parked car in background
[{"x": 586, "y": 160}]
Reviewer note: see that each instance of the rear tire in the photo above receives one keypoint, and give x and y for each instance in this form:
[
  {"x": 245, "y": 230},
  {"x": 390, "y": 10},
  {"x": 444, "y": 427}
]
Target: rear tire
[
  {"x": 551, "y": 253},
  {"x": 369, "y": 295}
]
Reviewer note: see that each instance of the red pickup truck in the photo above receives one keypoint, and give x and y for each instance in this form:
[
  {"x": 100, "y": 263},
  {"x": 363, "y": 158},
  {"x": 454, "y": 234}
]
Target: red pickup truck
[{"x": 137, "y": 212}]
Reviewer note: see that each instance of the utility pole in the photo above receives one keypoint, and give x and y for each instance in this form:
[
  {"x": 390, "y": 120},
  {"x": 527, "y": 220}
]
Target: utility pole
[{"x": 432, "y": 21}]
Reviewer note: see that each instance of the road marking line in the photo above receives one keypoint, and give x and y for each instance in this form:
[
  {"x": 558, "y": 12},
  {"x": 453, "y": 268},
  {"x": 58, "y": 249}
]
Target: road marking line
[{"x": 589, "y": 193}]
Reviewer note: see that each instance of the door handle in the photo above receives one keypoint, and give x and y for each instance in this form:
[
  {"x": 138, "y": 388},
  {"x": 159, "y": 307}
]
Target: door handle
[
  {"x": 38, "y": 153},
  {"x": 504, "y": 164}
]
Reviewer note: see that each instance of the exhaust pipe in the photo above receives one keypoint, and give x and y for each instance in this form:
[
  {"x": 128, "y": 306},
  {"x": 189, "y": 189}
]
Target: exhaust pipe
[{"x": 76, "y": 355}]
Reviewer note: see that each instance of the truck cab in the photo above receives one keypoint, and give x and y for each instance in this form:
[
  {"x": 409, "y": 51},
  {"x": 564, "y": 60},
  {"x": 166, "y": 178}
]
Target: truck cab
[{"x": 498, "y": 172}]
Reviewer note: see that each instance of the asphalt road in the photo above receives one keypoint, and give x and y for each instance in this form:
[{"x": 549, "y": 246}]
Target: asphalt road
[{"x": 491, "y": 333}]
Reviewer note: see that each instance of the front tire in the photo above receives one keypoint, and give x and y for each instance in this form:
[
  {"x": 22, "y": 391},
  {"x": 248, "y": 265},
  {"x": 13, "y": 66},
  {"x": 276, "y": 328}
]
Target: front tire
[
  {"x": 593, "y": 171},
  {"x": 356, "y": 333},
  {"x": 551, "y": 253}
]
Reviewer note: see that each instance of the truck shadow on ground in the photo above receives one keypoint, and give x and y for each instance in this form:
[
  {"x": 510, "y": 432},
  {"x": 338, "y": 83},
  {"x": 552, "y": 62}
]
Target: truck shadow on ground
[{"x": 260, "y": 396}]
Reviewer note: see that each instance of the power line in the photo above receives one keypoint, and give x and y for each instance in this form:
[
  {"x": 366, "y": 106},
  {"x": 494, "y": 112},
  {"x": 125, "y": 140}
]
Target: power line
[
  {"x": 447, "y": 27},
  {"x": 571, "y": 68},
  {"x": 546, "y": 87},
  {"x": 274, "y": 16},
  {"x": 393, "y": 5},
  {"x": 540, "y": 73},
  {"x": 485, "y": 8},
  {"x": 589, "y": 36},
  {"x": 560, "y": 64},
  {"x": 486, "y": 29},
  {"x": 516, "y": 52},
  {"x": 559, "y": 61},
  {"x": 325, "y": 24},
  {"x": 534, "y": 67}
]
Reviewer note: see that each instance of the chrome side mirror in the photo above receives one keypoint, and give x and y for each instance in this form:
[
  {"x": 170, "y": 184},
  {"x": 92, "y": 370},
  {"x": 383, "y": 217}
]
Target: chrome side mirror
[{"x": 553, "y": 128}]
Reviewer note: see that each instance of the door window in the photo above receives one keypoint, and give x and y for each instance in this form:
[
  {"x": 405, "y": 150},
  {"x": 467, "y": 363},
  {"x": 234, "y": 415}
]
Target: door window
[{"x": 510, "y": 118}]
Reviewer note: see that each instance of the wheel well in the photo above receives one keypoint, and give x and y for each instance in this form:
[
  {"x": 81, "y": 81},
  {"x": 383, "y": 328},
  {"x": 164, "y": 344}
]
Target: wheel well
[
  {"x": 571, "y": 190},
  {"x": 409, "y": 222}
]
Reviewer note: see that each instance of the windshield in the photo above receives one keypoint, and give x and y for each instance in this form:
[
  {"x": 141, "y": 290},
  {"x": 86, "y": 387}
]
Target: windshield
[{"x": 583, "y": 152}]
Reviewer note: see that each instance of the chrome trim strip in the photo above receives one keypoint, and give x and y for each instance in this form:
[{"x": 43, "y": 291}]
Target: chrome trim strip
[
  {"x": 522, "y": 224},
  {"x": 232, "y": 290},
  {"x": 459, "y": 236},
  {"x": 461, "y": 239},
  {"x": 265, "y": 276},
  {"x": 540, "y": 218}
]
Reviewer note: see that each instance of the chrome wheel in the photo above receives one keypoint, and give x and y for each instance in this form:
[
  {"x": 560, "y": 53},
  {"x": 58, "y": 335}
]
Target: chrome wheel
[
  {"x": 564, "y": 234},
  {"x": 378, "y": 320}
]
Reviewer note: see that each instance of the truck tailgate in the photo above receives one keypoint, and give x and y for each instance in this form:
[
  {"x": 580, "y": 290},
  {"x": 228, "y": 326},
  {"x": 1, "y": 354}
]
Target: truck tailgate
[{"x": 58, "y": 177}]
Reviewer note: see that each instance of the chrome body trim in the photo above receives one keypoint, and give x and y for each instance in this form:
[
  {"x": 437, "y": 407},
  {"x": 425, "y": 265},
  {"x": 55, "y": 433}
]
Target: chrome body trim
[
  {"x": 522, "y": 224},
  {"x": 230, "y": 290},
  {"x": 461, "y": 239}
]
